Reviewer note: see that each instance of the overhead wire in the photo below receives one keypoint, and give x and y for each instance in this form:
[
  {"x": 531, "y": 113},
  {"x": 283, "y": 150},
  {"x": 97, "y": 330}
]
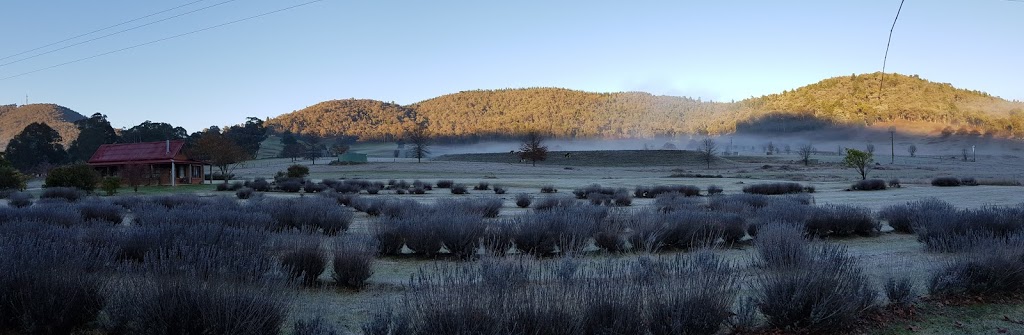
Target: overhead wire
[
  {"x": 117, "y": 32},
  {"x": 164, "y": 39},
  {"x": 886, "y": 58},
  {"x": 102, "y": 29}
]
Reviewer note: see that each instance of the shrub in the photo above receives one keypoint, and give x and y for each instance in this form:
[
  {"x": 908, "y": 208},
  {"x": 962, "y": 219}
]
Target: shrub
[
  {"x": 316, "y": 213},
  {"x": 445, "y": 183},
  {"x": 290, "y": 186},
  {"x": 306, "y": 262},
  {"x": 235, "y": 186},
  {"x": 312, "y": 187},
  {"x": 903, "y": 218},
  {"x": 49, "y": 283},
  {"x": 946, "y": 181},
  {"x": 482, "y": 186},
  {"x": 315, "y": 326},
  {"x": 623, "y": 199},
  {"x": 460, "y": 233},
  {"x": 775, "y": 188},
  {"x": 70, "y": 194},
  {"x": 109, "y": 185},
  {"x": 548, "y": 203},
  {"x": 11, "y": 178},
  {"x": 841, "y": 221},
  {"x": 353, "y": 261},
  {"x": 80, "y": 176},
  {"x": 714, "y": 190},
  {"x": 19, "y": 199},
  {"x": 189, "y": 306},
  {"x": 371, "y": 207},
  {"x": 523, "y": 200},
  {"x": 654, "y": 192},
  {"x": 969, "y": 181},
  {"x": 95, "y": 209},
  {"x": 869, "y": 185},
  {"x": 782, "y": 246},
  {"x": 951, "y": 230},
  {"x": 244, "y": 193},
  {"x": 459, "y": 189},
  {"x": 900, "y": 292},
  {"x": 498, "y": 189},
  {"x": 548, "y": 189},
  {"x": 297, "y": 171},
  {"x": 895, "y": 183},
  {"x": 372, "y": 189},
  {"x": 221, "y": 187},
  {"x": 826, "y": 295},
  {"x": 259, "y": 185},
  {"x": 993, "y": 272}
]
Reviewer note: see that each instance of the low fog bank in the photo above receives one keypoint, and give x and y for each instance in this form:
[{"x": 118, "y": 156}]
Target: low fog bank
[{"x": 760, "y": 144}]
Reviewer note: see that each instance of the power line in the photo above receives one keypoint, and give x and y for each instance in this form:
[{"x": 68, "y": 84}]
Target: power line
[
  {"x": 886, "y": 58},
  {"x": 164, "y": 39},
  {"x": 117, "y": 32},
  {"x": 101, "y": 29}
]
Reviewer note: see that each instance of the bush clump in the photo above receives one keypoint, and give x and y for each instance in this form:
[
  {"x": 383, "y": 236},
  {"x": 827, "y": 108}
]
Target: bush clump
[
  {"x": 19, "y": 199},
  {"x": 11, "y": 178},
  {"x": 290, "y": 186},
  {"x": 297, "y": 171},
  {"x": 305, "y": 263},
  {"x": 969, "y": 181},
  {"x": 353, "y": 261},
  {"x": 445, "y": 183},
  {"x": 109, "y": 185},
  {"x": 946, "y": 181},
  {"x": 782, "y": 246},
  {"x": 655, "y": 191},
  {"x": 523, "y": 200},
  {"x": 994, "y": 271},
  {"x": 895, "y": 183},
  {"x": 548, "y": 189},
  {"x": 826, "y": 294},
  {"x": 80, "y": 176},
  {"x": 776, "y": 188},
  {"x": 244, "y": 193},
  {"x": 714, "y": 190},
  {"x": 259, "y": 185},
  {"x": 841, "y": 221},
  {"x": 482, "y": 186},
  {"x": 869, "y": 185},
  {"x": 459, "y": 189},
  {"x": 69, "y": 194},
  {"x": 498, "y": 189},
  {"x": 903, "y": 218}
]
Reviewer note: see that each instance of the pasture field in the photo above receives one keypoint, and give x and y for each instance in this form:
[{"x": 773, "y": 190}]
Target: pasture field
[{"x": 407, "y": 276}]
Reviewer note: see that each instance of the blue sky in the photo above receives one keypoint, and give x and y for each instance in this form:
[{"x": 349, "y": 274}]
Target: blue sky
[{"x": 408, "y": 51}]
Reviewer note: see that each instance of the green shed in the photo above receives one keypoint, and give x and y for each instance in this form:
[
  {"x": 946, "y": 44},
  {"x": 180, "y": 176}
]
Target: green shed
[{"x": 352, "y": 157}]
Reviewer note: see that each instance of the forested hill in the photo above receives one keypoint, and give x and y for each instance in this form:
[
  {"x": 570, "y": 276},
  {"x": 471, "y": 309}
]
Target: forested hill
[
  {"x": 14, "y": 119},
  {"x": 509, "y": 112},
  {"x": 849, "y": 101},
  {"x": 854, "y": 100}
]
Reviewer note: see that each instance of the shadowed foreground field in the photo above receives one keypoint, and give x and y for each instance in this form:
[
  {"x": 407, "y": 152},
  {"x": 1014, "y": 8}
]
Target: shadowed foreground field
[{"x": 380, "y": 246}]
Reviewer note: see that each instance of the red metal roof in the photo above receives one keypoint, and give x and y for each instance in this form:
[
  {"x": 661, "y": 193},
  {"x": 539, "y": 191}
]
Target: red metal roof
[{"x": 137, "y": 152}]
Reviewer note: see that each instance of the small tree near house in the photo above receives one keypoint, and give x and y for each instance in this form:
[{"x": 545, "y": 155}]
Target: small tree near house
[
  {"x": 533, "y": 148},
  {"x": 220, "y": 152}
]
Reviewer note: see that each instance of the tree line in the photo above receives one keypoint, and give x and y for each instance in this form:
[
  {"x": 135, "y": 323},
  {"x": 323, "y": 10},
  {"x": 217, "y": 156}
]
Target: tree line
[{"x": 39, "y": 147}]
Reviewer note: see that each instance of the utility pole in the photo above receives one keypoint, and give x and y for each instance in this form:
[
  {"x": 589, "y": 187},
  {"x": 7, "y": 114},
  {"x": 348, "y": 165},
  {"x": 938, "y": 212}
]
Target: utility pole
[{"x": 974, "y": 153}]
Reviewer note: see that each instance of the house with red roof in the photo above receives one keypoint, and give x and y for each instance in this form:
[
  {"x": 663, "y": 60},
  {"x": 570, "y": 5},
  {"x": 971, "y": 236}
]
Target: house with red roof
[{"x": 164, "y": 161}]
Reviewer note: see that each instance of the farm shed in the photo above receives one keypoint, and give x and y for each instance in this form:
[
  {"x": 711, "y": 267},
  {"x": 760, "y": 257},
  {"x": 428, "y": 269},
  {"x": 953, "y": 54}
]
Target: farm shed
[{"x": 163, "y": 162}]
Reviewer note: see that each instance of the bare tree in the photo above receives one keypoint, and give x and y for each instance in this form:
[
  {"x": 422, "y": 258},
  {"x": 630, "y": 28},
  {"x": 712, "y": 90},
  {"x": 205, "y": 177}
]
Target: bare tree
[
  {"x": 965, "y": 154},
  {"x": 532, "y": 148},
  {"x": 708, "y": 149},
  {"x": 420, "y": 141},
  {"x": 770, "y": 148},
  {"x": 912, "y": 149},
  {"x": 871, "y": 148},
  {"x": 805, "y": 152}
]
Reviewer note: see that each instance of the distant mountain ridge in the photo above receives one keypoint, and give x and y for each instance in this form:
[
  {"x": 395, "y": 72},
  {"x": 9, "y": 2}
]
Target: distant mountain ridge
[
  {"x": 14, "y": 119},
  {"x": 848, "y": 101}
]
